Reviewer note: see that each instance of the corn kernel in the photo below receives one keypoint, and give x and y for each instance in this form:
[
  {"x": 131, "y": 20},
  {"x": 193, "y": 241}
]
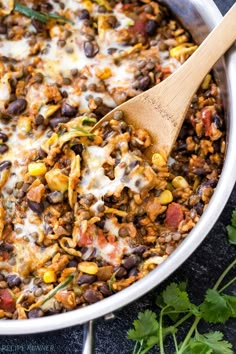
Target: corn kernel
[
  {"x": 158, "y": 160},
  {"x": 166, "y": 197},
  {"x": 104, "y": 73},
  {"x": 206, "y": 82},
  {"x": 182, "y": 49},
  {"x": 37, "y": 169},
  {"x": 56, "y": 180},
  {"x": 180, "y": 182},
  {"x": 88, "y": 267},
  {"x": 24, "y": 124},
  {"x": 49, "y": 277}
]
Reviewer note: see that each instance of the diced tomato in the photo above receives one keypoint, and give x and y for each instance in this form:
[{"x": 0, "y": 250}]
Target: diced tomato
[
  {"x": 174, "y": 215},
  {"x": 138, "y": 27},
  {"x": 7, "y": 302},
  {"x": 101, "y": 239},
  {"x": 4, "y": 256},
  {"x": 206, "y": 120},
  {"x": 85, "y": 239},
  {"x": 111, "y": 239}
]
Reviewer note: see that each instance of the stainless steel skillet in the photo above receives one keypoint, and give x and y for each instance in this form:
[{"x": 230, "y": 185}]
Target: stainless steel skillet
[{"x": 199, "y": 16}]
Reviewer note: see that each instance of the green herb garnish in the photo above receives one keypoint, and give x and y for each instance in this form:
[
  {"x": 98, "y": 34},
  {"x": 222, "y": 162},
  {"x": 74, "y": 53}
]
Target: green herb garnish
[
  {"x": 232, "y": 229},
  {"x": 89, "y": 121},
  {"x": 41, "y": 16},
  {"x": 58, "y": 288},
  {"x": 174, "y": 305}
]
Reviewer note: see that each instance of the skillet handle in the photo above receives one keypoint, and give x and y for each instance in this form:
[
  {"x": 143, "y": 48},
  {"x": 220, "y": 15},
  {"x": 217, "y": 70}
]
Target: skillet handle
[{"x": 88, "y": 338}]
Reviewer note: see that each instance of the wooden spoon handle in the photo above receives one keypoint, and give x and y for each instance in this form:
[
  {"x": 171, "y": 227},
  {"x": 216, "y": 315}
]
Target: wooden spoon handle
[
  {"x": 211, "y": 49},
  {"x": 171, "y": 98}
]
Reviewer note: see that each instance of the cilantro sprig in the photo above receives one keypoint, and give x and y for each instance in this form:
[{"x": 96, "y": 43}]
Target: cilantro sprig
[
  {"x": 175, "y": 308},
  {"x": 232, "y": 229}
]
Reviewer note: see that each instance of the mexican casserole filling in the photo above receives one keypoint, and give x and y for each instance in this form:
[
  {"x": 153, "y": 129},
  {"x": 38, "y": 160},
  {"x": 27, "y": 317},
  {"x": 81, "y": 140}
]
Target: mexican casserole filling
[{"x": 84, "y": 215}]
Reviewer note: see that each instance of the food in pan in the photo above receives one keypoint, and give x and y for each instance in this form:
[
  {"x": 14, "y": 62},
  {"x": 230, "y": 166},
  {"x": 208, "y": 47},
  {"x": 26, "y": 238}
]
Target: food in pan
[{"x": 84, "y": 215}]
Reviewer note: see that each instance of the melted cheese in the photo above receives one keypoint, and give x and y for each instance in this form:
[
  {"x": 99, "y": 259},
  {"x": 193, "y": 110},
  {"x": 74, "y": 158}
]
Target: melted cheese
[{"x": 15, "y": 49}]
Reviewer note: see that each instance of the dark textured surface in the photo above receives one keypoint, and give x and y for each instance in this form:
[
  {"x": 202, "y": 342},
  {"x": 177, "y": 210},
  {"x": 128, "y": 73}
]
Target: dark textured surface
[{"x": 201, "y": 271}]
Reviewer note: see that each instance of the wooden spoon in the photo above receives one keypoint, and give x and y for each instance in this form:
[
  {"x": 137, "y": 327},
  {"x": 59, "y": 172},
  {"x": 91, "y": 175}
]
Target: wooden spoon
[{"x": 161, "y": 110}]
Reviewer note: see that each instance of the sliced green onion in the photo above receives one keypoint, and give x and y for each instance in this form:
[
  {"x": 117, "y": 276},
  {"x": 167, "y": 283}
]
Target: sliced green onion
[
  {"x": 58, "y": 288},
  {"x": 88, "y": 120},
  {"x": 41, "y": 16},
  {"x": 51, "y": 293},
  {"x": 111, "y": 281}
]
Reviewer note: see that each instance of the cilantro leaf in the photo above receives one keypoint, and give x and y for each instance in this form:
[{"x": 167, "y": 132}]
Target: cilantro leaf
[
  {"x": 233, "y": 218},
  {"x": 215, "y": 342},
  {"x": 176, "y": 296},
  {"x": 231, "y": 302},
  {"x": 145, "y": 327},
  {"x": 231, "y": 229},
  {"x": 215, "y": 309},
  {"x": 231, "y": 234},
  {"x": 195, "y": 347}
]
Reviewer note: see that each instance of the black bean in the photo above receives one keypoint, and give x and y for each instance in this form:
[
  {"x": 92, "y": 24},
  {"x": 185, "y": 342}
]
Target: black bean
[
  {"x": 88, "y": 253},
  {"x": 74, "y": 72},
  {"x": 61, "y": 43},
  {"x": 3, "y": 148},
  {"x": 5, "y": 165},
  {"x": 144, "y": 83},
  {"x": 38, "y": 25},
  {"x": 104, "y": 289},
  {"x": 86, "y": 279},
  {"x": 46, "y": 7},
  {"x": 140, "y": 249},
  {"x": 133, "y": 272},
  {"x": 92, "y": 296},
  {"x": 131, "y": 261},
  {"x": 78, "y": 149},
  {"x": 134, "y": 163},
  {"x": 148, "y": 9},
  {"x": 112, "y": 20},
  {"x": 58, "y": 120},
  {"x": 151, "y": 27},
  {"x": 217, "y": 120},
  {"x": 118, "y": 115},
  {"x": 199, "y": 208},
  {"x": 3, "y": 29},
  {"x": 3, "y": 137},
  {"x": 84, "y": 15},
  {"x": 17, "y": 106},
  {"x": 200, "y": 171},
  {"x": 72, "y": 263},
  {"x": 35, "y": 313},
  {"x": 13, "y": 280},
  {"x": 121, "y": 272},
  {"x": 101, "y": 9},
  {"x": 90, "y": 49},
  {"x": 55, "y": 197},
  {"x": 38, "y": 78},
  {"x": 8, "y": 247},
  {"x": 36, "y": 207},
  {"x": 64, "y": 94},
  {"x": 111, "y": 51},
  {"x": 39, "y": 119},
  {"x": 123, "y": 231},
  {"x": 67, "y": 110},
  {"x": 66, "y": 81}
]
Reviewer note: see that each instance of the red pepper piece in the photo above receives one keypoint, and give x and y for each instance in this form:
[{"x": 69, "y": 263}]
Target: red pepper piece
[
  {"x": 7, "y": 302},
  {"x": 174, "y": 215}
]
